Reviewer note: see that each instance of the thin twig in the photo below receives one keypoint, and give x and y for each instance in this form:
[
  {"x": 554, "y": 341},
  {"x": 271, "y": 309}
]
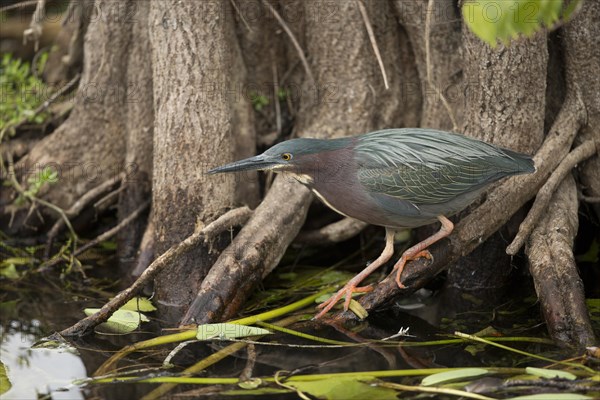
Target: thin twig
[
  {"x": 290, "y": 34},
  {"x": 34, "y": 32},
  {"x": 581, "y": 153},
  {"x": 35, "y": 200},
  {"x": 231, "y": 218},
  {"x": 109, "y": 199},
  {"x": 250, "y": 362},
  {"x": 588, "y": 199},
  {"x": 367, "y": 21},
  {"x": 276, "y": 96},
  {"x": 78, "y": 206},
  {"x": 18, "y": 5},
  {"x": 56, "y": 95},
  {"x": 100, "y": 238},
  {"x": 429, "y": 66},
  {"x": 241, "y": 15}
]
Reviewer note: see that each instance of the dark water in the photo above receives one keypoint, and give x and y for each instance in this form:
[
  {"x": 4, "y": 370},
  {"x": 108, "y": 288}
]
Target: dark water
[{"x": 35, "y": 311}]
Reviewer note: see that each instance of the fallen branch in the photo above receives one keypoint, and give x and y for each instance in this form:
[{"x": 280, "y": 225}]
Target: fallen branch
[
  {"x": 500, "y": 204},
  {"x": 231, "y": 218},
  {"x": 333, "y": 233},
  {"x": 540, "y": 206}
]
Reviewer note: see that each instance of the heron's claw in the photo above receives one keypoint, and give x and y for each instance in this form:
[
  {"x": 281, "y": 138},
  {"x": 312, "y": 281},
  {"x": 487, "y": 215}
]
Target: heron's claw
[
  {"x": 399, "y": 267},
  {"x": 346, "y": 291}
]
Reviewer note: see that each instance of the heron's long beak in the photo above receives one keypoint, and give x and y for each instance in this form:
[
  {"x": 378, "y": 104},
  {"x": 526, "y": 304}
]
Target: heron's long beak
[{"x": 256, "y": 163}]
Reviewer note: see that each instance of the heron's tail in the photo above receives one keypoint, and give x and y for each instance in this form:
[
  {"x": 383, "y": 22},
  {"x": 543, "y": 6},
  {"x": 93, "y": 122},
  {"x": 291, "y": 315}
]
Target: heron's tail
[{"x": 521, "y": 163}]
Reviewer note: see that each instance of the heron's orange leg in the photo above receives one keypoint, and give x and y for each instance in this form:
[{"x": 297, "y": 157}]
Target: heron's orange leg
[
  {"x": 351, "y": 286},
  {"x": 420, "y": 249}
]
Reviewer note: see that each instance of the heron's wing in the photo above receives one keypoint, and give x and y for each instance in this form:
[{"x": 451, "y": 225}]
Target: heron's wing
[
  {"x": 431, "y": 167},
  {"x": 427, "y": 184}
]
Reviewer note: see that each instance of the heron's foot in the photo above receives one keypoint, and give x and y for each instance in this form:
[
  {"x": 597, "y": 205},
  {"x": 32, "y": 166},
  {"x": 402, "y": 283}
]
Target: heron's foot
[
  {"x": 345, "y": 291},
  {"x": 399, "y": 267}
]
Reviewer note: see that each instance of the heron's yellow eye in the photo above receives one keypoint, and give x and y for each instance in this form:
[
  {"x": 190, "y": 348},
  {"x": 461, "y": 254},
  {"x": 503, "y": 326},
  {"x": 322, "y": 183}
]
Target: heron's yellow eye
[{"x": 286, "y": 156}]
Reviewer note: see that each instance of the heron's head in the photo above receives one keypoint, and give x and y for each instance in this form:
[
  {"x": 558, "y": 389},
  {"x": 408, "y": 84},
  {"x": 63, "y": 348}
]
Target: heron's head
[{"x": 296, "y": 155}]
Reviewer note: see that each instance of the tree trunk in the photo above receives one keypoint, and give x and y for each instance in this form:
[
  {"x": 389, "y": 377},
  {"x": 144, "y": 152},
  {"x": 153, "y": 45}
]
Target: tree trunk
[
  {"x": 86, "y": 149},
  {"x": 138, "y": 143},
  {"x": 192, "y": 62}
]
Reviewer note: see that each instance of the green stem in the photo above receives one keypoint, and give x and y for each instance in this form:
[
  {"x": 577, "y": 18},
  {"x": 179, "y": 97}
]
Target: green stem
[
  {"x": 304, "y": 378},
  {"x": 524, "y": 353},
  {"x": 304, "y": 335}
]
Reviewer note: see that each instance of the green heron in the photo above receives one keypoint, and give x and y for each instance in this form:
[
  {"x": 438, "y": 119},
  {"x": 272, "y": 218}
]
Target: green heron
[{"x": 395, "y": 178}]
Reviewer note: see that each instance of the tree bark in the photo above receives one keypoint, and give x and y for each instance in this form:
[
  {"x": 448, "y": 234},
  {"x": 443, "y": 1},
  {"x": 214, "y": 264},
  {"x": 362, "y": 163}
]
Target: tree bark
[
  {"x": 510, "y": 116},
  {"x": 138, "y": 143},
  {"x": 192, "y": 61},
  {"x": 85, "y": 149},
  {"x": 443, "y": 76},
  {"x": 582, "y": 48}
]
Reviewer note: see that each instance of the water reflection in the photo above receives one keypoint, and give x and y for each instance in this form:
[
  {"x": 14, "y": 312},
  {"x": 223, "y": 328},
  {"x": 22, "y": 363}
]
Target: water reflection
[{"x": 38, "y": 372}]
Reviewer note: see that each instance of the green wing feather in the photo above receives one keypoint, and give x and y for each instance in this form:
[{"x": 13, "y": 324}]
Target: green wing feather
[
  {"x": 431, "y": 167},
  {"x": 424, "y": 184}
]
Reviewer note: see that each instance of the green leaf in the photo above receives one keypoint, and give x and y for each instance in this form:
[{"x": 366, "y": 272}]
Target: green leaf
[
  {"x": 358, "y": 309},
  {"x": 228, "y": 331},
  {"x": 5, "y": 384},
  {"x": 122, "y": 321},
  {"x": 493, "y": 20},
  {"x": 553, "y": 396},
  {"x": 22, "y": 93},
  {"x": 452, "y": 376},
  {"x": 344, "y": 388},
  {"x": 550, "y": 373},
  {"x": 139, "y": 304},
  {"x": 18, "y": 261},
  {"x": 9, "y": 271}
]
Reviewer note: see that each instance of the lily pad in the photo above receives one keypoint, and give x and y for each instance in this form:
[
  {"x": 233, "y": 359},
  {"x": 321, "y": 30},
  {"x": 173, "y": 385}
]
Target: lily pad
[
  {"x": 139, "y": 304},
  {"x": 344, "y": 388},
  {"x": 550, "y": 373},
  {"x": 122, "y": 321},
  {"x": 453, "y": 376}
]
